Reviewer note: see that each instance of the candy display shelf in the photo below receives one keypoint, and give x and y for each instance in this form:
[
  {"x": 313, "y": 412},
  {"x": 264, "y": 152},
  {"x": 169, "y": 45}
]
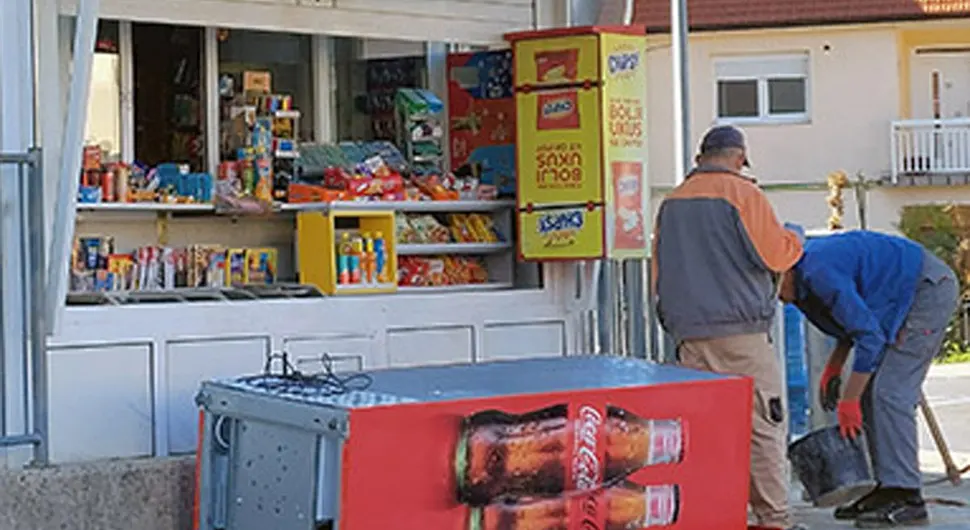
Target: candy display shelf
[
  {"x": 428, "y": 249},
  {"x": 145, "y": 207},
  {"x": 490, "y": 286},
  {"x": 407, "y": 206},
  {"x": 400, "y": 206},
  {"x": 182, "y": 226}
]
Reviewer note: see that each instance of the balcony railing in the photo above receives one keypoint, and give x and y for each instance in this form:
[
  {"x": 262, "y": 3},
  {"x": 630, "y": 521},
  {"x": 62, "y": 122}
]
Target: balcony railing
[{"x": 930, "y": 147}]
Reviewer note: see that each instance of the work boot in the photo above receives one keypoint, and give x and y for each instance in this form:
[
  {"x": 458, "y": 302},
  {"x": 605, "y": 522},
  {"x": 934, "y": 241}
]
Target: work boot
[
  {"x": 896, "y": 513},
  {"x": 868, "y": 502}
]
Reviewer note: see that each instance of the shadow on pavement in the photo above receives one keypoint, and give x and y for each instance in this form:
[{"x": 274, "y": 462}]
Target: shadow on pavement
[{"x": 949, "y": 507}]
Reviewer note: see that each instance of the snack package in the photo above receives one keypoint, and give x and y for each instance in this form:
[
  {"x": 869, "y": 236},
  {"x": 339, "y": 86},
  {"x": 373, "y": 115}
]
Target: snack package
[
  {"x": 459, "y": 228},
  {"x": 429, "y": 230},
  {"x": 433, "y": 186},
  {"x": 436, "y": 271},
  {"x": 260, "y": 266},
  {"x": 484, "y": 228},
  {"x": 412, "y": 271},
  {"x": 168, "y": 268},
  {"x": 236, "y": 267},
  {"x": 120, "y": 267},
  {"x": 406, "y": 234},
  {"x": 215, "y": 273},
  {"x": 264, "y": 179}
]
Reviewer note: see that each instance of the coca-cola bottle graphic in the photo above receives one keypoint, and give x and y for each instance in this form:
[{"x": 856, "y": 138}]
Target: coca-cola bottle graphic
[
  {"x": 503, "y": 454},
  {"x": 633, "y": 442},
  {"x": 557, "y": 449},
  {"x": 625, "y": 506},
  {"x": 631, "y": 506}
]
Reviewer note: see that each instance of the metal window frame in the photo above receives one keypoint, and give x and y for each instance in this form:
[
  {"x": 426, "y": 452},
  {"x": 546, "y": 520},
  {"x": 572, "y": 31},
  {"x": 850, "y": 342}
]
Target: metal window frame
[
  {"x": 31, "y": 357},
  {"x": 746, "y": 69}
]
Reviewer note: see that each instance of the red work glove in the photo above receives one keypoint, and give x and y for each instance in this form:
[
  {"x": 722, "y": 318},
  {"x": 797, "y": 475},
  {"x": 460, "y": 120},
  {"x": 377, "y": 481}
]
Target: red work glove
[
  {"x": 850, "y": 418},
  {"x": 829, "y": 386}
]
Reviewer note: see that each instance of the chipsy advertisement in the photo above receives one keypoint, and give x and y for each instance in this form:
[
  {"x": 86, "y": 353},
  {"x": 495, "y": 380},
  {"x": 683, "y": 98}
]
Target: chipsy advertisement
[
  {"x": 617, "y": 459},
  {"x": 624, "y": 145},
  {"x": 558, "y": 147},
  {"x": 556, "y": 61},
  {"x": 562, "y": 233},
  {"x": 581, "y": 143},
  {"x": 482, "y": 117}
]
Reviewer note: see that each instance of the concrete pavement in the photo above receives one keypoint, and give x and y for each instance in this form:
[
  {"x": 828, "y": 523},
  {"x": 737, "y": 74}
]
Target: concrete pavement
[{"x": 948, "y": 391}]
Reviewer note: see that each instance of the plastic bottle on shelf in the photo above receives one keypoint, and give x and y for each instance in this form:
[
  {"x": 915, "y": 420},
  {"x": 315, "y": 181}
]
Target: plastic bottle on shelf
[
  {"x": 370, "y": 262},
  {"x": 356, "y": 253},
  {"x": 343, "y": 259},
  {"x": 380, "y": 257}
]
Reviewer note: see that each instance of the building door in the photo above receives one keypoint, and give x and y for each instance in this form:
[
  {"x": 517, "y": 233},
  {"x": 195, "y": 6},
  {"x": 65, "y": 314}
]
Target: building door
[
  {"x": 940, "y": 91},
  {"x": 941, "y": 85}
]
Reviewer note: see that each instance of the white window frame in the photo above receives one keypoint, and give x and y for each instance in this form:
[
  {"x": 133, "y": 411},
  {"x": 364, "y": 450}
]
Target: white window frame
[{"x": 762, "y": 69}]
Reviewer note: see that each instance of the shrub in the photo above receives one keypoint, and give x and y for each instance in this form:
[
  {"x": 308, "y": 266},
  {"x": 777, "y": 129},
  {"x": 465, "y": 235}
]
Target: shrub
[{"x": 935, "y": 227}]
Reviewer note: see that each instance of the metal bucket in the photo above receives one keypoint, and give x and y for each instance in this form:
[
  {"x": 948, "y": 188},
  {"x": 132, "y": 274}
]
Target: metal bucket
[{"x": 833, "y": 470}]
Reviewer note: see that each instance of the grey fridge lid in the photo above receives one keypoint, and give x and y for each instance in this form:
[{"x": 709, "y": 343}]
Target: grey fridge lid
[{"x": 456, "y": 382}]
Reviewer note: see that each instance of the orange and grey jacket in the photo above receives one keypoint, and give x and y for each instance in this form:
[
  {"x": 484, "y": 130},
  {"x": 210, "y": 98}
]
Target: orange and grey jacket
[{"x": 717, "y": 249}]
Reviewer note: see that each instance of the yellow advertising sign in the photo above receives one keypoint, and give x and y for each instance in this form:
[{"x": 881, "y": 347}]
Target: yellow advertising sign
[
  {"x": 627, "y": 192},
  {"x": 558, "y": 144},
  {"x": 561, "y": 233},
  {"x": 556, "y": 61}
]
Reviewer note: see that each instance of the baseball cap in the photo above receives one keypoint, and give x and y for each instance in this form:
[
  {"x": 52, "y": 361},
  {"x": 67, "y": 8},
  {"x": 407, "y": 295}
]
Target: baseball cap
[
  {"x": 797, "y": 230},
  {"x": 724, "y": 137}
]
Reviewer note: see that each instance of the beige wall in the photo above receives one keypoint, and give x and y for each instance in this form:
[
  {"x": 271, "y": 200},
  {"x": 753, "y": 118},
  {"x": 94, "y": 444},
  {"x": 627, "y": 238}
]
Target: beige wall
[
  {"x": 883, "y": 204},
  {"x": 853, "y": 96}
]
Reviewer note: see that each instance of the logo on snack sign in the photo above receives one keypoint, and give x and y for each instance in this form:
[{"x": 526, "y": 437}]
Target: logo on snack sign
[
  {"x": 557, "y": 107},
  {"x": 627, "y": 185},
  {"x": 623, "y": 62},
  {"x": 559, "y": 229}
]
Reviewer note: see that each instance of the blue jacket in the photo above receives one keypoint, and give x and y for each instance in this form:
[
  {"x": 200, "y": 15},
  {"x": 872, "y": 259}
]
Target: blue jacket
[{"x": 858, "y": 286}]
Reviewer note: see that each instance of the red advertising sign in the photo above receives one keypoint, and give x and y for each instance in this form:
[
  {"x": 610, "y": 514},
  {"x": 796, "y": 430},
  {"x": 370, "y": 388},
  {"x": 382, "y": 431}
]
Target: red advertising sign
[
  {"x": 629, "y": 232},
  {"x": 558, "y": 110},
  {"x": 557, "y": 65},
  {"x": 604, "y": 459}
]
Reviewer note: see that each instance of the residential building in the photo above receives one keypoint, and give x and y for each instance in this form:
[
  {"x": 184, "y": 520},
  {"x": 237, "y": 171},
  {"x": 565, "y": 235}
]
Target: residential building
[{"x": 878, "y": 88}]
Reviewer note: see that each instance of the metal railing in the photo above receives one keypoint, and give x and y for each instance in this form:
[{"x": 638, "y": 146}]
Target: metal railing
[
  {"x": 925, "y": 147},
  {"x": 21, "y": 189}
]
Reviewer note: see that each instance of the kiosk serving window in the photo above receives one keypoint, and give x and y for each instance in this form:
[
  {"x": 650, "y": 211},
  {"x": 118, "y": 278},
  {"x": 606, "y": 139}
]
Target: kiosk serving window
[{"x": 261, "y": 158}]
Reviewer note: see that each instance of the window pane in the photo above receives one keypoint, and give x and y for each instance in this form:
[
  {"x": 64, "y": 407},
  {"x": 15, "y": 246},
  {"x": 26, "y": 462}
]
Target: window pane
[
  {"x": 169, "y": 95},
  {"x": 281, "y": 59},
  {"x": 737, "y": 99},
  {"x": 786, "y": 96}
]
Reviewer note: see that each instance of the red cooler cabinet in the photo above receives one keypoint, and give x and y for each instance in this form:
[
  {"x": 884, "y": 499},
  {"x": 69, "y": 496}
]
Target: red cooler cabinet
[{"x": 574, "y": 443}]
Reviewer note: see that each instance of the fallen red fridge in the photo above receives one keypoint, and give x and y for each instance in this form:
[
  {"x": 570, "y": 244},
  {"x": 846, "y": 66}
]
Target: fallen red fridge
[{"x": 574, "y": 443}]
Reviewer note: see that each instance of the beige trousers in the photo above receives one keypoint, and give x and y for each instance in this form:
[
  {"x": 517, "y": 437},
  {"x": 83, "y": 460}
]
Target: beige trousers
[{"x": 753, "y": 356}]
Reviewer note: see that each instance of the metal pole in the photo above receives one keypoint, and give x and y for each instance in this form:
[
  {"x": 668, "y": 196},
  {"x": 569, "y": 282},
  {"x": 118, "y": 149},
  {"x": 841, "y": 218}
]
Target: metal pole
[
  {"x": 70, "y": 164},
  {"x": 17, "y": 122},
  {"x": 38, "y": 309},
  {"x": 861, "y": 190},
  {"x": 680, "y": 61},
  {"x": 628, "y": 7},
  {"x": 636, "y": 295}
]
